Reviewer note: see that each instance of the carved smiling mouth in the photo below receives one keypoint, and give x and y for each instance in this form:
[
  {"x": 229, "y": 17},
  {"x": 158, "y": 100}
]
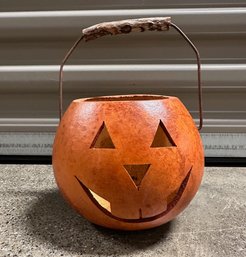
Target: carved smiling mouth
[{"x": 104, "y": 205}]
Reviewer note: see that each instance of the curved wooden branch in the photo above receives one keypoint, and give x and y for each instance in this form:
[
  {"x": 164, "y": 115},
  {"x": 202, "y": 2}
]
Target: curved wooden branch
[{"x": 126, "y": 26}]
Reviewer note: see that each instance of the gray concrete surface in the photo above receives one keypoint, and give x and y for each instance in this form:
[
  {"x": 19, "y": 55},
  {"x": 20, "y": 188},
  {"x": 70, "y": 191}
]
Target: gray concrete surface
[{"x": 35, "y": 220}]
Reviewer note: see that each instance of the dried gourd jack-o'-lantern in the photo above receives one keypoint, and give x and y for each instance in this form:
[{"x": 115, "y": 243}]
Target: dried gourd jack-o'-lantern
[{"x": 128, "y": 162}]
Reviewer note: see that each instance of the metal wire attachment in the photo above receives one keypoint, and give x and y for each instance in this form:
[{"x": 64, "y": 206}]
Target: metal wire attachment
[
  {"x": 198, "y": 72},
  {"x": 171, "y": 25}
]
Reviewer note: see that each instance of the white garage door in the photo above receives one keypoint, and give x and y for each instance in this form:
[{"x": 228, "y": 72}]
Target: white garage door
[{"x": 35, "y": 35}]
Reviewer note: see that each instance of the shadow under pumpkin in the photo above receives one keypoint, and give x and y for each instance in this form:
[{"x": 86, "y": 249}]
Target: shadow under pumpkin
[{"x": 51, "y": 220}]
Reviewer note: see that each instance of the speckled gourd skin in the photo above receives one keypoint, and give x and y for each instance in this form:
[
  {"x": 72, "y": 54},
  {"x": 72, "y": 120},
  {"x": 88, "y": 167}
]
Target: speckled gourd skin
[{"x": 132, "y": 126}]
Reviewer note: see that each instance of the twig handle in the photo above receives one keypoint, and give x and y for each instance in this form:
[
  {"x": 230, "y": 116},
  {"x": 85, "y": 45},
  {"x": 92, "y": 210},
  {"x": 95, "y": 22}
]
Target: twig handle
[{"x": 126, "y": 26}]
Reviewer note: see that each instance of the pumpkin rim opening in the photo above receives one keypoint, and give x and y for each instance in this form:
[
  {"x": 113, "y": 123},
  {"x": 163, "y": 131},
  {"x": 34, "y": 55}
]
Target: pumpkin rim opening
[{"x": 118, "y": 98}]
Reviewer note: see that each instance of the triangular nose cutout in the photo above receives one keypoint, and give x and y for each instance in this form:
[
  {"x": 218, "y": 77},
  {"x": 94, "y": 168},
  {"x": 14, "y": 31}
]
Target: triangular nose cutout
[
  {"x": 162, "y": 137},
  {"x": 102, "y": 139},
  {"x": 137, "y": 172}
]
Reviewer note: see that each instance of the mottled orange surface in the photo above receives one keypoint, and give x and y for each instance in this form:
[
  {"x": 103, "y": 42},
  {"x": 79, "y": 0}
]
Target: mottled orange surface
[{"x": 174, "y": 171}]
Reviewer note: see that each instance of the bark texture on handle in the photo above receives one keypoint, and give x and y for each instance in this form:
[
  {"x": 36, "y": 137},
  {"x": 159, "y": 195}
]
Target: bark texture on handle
[{"x": 126, "y": 26}]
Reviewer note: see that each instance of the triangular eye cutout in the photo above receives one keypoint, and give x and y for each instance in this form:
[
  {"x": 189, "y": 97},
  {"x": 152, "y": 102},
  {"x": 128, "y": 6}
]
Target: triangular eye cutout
[
  {"x": 102, "y": 139},
  {"x": 162, "y": 137}
]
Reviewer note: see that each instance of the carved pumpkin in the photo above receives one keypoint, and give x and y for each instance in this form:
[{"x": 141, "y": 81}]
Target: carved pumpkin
[{"x": 128, "y": 162}]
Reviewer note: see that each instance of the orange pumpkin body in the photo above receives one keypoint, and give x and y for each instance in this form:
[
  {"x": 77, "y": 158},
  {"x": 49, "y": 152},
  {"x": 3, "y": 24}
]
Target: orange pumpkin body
[{"x": 128, "y": 162}]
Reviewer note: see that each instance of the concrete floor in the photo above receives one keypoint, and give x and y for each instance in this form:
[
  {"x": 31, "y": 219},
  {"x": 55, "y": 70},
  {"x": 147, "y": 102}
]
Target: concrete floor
[{"x": 35, "y": 220}]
